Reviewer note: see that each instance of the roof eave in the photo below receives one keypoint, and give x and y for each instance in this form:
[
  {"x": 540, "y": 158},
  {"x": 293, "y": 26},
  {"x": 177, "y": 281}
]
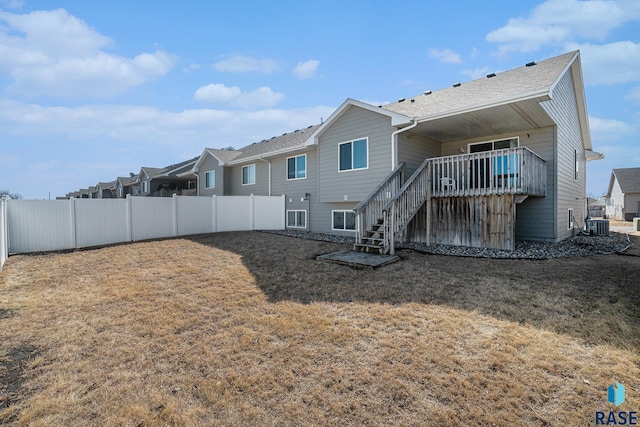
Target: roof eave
[
  {"x": 275, "y": 153},
  {"x": 542, "y": 95},
  {"x": 397, "y": 119}
]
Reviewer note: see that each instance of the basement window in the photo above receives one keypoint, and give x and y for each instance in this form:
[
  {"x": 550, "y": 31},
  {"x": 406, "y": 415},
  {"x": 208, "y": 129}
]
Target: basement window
[
  {"x": 343, "y": 220},
  {"x": 297, "y": 219}
]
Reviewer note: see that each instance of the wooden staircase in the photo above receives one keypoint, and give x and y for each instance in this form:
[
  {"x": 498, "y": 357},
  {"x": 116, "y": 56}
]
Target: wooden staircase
[
  {"x": 370, "y": 220},
  {"x": 389, "y": 209}
]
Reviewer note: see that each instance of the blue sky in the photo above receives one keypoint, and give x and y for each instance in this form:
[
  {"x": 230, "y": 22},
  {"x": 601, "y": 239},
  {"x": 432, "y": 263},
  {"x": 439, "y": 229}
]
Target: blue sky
[{"x": 94, "y": 90}]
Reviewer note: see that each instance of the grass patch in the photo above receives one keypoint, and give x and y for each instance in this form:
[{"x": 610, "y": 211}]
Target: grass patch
[{"x": 248, "y": 329}]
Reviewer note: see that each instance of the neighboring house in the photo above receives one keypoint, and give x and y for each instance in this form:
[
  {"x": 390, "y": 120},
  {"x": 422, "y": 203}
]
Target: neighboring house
[
  {"x": 623, "y": 196},
  {"x": 167, "y": 181},
  {"x": 126, "y": 185},
  {"x": 480, "y": 164},
  {"x": 597, "y": 206},
  {"x": 106, "y": 190},
  {"x": 93, "y": 192}
]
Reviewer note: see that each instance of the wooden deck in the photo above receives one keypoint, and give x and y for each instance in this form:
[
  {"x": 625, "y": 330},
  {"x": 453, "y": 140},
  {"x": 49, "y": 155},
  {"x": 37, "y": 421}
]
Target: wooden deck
[
  {"x": 508, "y": 171},
  {"x": 466, "y": 200}
]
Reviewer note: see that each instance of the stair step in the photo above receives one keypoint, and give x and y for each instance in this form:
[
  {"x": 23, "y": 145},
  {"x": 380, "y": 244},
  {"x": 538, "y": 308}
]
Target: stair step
[
  {"x": 363, "y": 247},
  {"x": 374, "y": 239}
]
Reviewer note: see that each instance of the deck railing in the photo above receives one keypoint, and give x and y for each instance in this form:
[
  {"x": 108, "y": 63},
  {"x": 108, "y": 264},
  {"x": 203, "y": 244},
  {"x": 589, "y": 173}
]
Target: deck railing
[
  {"x": 403, "y": 206},
  {"x": 369, "y": 211},
  {"x": 507, "y": 171}
]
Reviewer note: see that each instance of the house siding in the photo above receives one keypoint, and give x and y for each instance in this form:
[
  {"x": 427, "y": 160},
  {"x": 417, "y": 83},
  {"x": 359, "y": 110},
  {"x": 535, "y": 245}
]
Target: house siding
[
  {"x": 210, "y": 163},
  {"x": 413, "y": 149},
  {"x": 295, "y": 190},
  {"x": 631, "y": 205},
  {"x": 355, "y": 123},
  {"x": 571, "y": 192},
  {"x": 260, "y": 188}
]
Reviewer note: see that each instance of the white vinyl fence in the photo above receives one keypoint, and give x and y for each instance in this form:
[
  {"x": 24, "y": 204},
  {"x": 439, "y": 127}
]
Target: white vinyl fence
[
  {"x": 47, "y": 225},
  {"x": 4, "y": 234}
]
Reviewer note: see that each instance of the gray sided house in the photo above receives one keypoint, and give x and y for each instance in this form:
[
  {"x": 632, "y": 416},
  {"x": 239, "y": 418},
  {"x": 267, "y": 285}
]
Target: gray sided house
[
  {"x": 282, "y": 165},
  {"x": 106, "y": 190},
  {"x": 126, "y": 185},
  {"x": 167, "y": 181},
  {"x": 481, "y": 164},
  {"x": 623, "y": 196}
]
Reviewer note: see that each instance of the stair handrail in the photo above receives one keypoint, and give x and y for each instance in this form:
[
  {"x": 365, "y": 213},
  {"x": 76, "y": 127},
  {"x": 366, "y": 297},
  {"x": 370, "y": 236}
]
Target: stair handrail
[
  {"x": 392, "y": 222},
  {"x": 367, "y": 211}
]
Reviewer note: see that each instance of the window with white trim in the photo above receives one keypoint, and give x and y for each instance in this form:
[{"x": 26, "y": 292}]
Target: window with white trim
[
  {"x": 210, "y": 179},
  {"x": 145, "y": 186},
  {"x": 297, "y": 219},
  {"x": 478, "y": 147},
  {"x": 297, "y": 167},
  {"x": 577, "y": 165},
  {"x": 249, "y": 174},
  {"x": 343, "y": 220},
  {"x": 353, "y": 155}
]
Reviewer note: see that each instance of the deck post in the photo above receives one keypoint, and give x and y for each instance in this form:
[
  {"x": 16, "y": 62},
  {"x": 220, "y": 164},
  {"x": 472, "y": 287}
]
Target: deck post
[{"x": 428, "y": 202}]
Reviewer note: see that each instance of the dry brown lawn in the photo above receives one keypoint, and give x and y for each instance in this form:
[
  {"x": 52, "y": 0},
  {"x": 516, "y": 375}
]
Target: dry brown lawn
[{"x": 249, "y": 329}]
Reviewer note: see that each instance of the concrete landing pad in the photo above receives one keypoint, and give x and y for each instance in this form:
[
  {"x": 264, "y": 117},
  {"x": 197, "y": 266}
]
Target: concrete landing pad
[{"x": 360, "y": 259}]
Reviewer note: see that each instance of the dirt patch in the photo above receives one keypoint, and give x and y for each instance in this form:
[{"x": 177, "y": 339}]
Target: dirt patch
[{"x": 12, "y": 367}]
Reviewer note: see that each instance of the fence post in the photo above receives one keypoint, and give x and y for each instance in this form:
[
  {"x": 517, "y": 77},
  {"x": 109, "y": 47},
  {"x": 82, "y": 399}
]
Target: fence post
[
  {"x": 175, "y": 214},
  {"x": 252, "y": 205},
  {"x": 4, "y": 246},
  {"x": 129, "y": 218},
  {"x": 72, "y": 219},
  {"x": 283, "y": 215},
  {"x": 214, "y": 219}
]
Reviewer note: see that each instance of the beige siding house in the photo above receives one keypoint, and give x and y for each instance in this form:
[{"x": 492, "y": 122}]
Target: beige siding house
[{"x": 623, "y": 196}]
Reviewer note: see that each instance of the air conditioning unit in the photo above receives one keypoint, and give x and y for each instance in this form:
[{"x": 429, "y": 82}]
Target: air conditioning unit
[{"x": 598, "y": 227}]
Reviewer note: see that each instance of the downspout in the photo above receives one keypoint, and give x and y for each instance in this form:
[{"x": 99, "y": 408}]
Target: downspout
[
  {"x": 268, "y": 161},
  {"x": 394, "y": 142}
]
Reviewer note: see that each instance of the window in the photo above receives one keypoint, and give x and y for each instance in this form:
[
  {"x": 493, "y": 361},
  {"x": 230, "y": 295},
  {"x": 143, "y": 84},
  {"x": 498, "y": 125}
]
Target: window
[
  {"x": 478, "y": 147},
  {"x": 297, "y": 219},
  {"x": 145, "y": 185},
  {"x": 571, "y": 219},
  {"x": 297, "y": 167},
  {"x": 249, "y": 174},
  {"x": 210, "y": 179},
  {"x": 343, "y": 220},
  {"x": 577, "y": 165},
  {"x": 353, "y": 155}
]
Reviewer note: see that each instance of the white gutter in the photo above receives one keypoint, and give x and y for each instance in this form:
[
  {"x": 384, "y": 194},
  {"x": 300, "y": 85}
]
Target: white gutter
[
  {"x": 268, "y": 161},
  {"x": 269, "y": 154},
  {"x": 394, "y": 142}
]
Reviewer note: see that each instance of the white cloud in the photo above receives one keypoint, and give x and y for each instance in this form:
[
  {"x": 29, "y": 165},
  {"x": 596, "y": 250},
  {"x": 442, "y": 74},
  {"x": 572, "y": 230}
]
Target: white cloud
[
  {"x": 611, "y": 63},
  {"x": 306, "y": 70},
  {"x": 245, "y": 64},
  {"x": 476, "y": 73},
  {"x": 555, "y": 22},
  {"x": 54, "y": 53},
  {"x": 220, "y": 94},
  {"x": 217, "y": 93},
  {"x": 191, "y": 67},
  {"x": 608, "y": 129},
  {"x": 193, "y": 129},
  {"x": 633, "y": 95},
  {"x": 446, "y": 56},
  {"x": 12, "y": 4}
]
